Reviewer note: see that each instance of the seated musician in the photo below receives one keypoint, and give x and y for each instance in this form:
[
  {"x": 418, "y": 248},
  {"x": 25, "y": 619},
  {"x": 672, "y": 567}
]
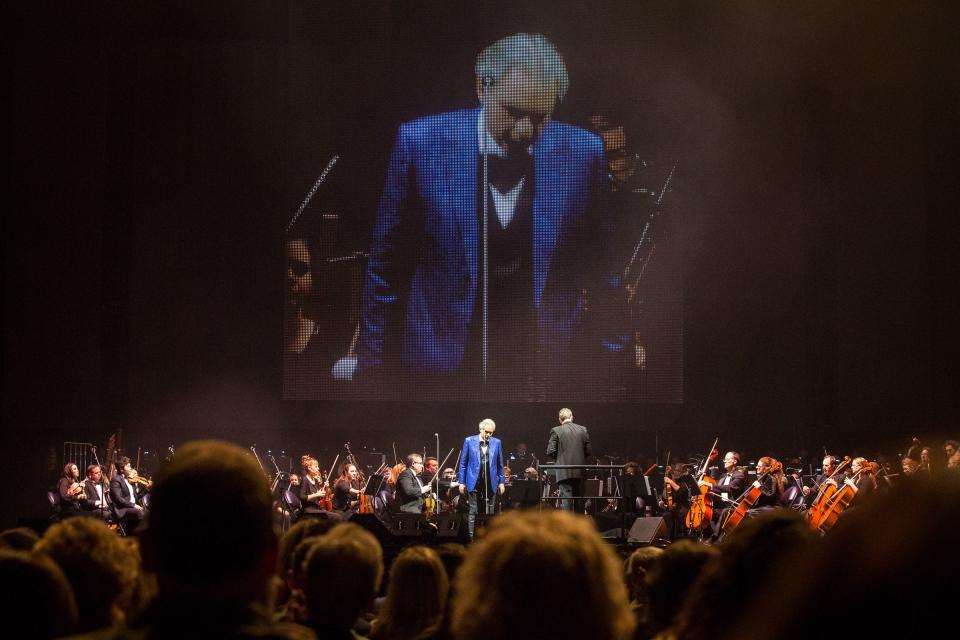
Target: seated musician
[
  {"x": 952, "y": 449},
  {"x": 312, "y": 489},
  {"x": 771, "y": 484},
  {"x": 862, "y": 471},
  {"x": 910, "y": 467},
  {"x": 97, "y": 501},
  {"x": 123, "y": 495},
  {"x": 70, "y": 490},
  {"x": 430, "y": 468},
  {"x": 347, "y": 488},
  {"x": 410, "y": 491},
  {"x": 829, "y": 468},
  {"x": 449, "y": 493},
  {"x": 683, "y": 486},
  {"x": 729, "y": 487}
]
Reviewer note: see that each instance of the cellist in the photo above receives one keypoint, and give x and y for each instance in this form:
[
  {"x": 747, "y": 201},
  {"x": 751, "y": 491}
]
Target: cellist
[
  {"x": 772, "y": 484},
  {"x": 728, "y": 488},
  {"x": 863, "y": 472},
  {"x": 829, "y": 468}
]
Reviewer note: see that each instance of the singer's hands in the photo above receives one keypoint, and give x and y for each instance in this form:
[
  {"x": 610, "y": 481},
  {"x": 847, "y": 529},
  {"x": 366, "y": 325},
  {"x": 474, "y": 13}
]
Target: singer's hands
[
  {"x": 501, "y": 489},
  {"x": 463, "y": 489}
]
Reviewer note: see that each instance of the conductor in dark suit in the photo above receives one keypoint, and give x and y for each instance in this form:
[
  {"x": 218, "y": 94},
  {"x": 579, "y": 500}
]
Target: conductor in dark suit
[
  {"x": 569, "y": 444},
  {"x": 410, "y": 492}
]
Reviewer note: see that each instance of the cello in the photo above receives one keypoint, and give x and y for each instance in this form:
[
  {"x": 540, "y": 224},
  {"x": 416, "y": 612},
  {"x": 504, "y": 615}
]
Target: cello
[
  {"x": 825, "y": 494},
  {"x": 842, "y": 498},
  {"x": 701, "y": 504},
  {"x": 743, "y": 504}
]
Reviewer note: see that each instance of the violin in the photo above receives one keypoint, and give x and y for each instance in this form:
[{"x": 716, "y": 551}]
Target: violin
[{"x": 143, "y": 482}]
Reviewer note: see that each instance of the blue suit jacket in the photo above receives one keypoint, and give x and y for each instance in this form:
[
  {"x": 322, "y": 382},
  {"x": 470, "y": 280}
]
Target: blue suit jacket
[
  {"x": 424, "y": 266},
  {"x": 469, "y": 469}
]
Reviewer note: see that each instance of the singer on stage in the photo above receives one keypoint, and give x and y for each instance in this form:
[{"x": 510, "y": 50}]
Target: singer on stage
[
  {"x": 480, "y": 473},
  {"x": 488, "y": 237}
]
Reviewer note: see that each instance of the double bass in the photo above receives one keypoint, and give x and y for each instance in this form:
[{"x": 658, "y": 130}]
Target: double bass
[{"x": 701, "y": 504}]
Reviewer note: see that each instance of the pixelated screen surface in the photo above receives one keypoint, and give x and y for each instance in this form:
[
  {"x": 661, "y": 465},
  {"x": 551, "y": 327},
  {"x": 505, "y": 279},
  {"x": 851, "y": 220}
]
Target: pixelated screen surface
[{"x": 512, "y": 255}]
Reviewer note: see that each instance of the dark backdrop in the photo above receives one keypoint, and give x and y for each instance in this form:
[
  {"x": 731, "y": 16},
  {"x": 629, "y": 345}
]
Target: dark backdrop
[{"x": 155, "y": 153}]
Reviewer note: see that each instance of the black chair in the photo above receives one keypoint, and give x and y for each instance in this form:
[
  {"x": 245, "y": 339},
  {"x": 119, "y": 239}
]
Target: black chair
[
  {"x": 53, "y": 498},
  {"x": 291, "y": 503}
]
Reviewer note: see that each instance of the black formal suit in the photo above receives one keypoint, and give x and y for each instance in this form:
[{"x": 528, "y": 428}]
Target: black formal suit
[
  {"x": 733, "y": 484},
  {"x": 124, "y": 502},
  {"x": 569, "y": 444},
  {"x": 409, "y": 492},
  {"x": 90, "y": 505}
]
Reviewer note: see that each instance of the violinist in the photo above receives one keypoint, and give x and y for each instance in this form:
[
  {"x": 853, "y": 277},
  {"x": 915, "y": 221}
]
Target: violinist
[
  {"x": 771, "y": 485},
  {"x": 123, "y": 495},
  {"x": 70, "y": 490},
  {"x": 430, "y": 468},
  {"x": 346, "y": 491},
  {"x": 449, "y": 494},
  {"x": 410, "y": 490},
  {"x": 312, "y": 487}
]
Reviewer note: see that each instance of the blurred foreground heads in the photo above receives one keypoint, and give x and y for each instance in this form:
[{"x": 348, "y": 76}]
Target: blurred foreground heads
[
  {"x": 210, "y": 541},
  {"x": 541, "y": 575}
]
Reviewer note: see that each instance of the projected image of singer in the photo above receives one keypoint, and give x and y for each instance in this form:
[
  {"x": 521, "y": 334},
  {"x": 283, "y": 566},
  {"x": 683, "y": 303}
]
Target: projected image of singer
[{"x": 486, "y": 287}]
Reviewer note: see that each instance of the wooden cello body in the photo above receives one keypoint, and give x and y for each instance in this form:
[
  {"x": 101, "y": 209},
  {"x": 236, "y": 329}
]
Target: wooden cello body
[{"x": 824, "y": 495}]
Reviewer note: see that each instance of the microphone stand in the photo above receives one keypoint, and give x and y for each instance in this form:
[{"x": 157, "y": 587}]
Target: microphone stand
[{"x": 436, "y": 476}]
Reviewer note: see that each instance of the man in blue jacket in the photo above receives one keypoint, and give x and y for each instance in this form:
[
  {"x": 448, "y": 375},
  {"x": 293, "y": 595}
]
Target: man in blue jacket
[
  {"x": 488, "y": 236},
  {"x": 480, "y": 473}
]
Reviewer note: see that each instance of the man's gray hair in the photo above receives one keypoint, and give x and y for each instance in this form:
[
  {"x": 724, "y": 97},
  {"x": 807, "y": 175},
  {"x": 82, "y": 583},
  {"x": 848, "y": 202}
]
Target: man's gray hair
[
  {"x": 488, "y": 424},
  {"x": 531, "y": 51},
  {"x": 566, "y": 415}
]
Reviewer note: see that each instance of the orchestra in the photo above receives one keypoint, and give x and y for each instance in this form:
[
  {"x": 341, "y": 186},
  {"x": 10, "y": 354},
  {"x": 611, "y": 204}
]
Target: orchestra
[{"x": 701, "y": 498}]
